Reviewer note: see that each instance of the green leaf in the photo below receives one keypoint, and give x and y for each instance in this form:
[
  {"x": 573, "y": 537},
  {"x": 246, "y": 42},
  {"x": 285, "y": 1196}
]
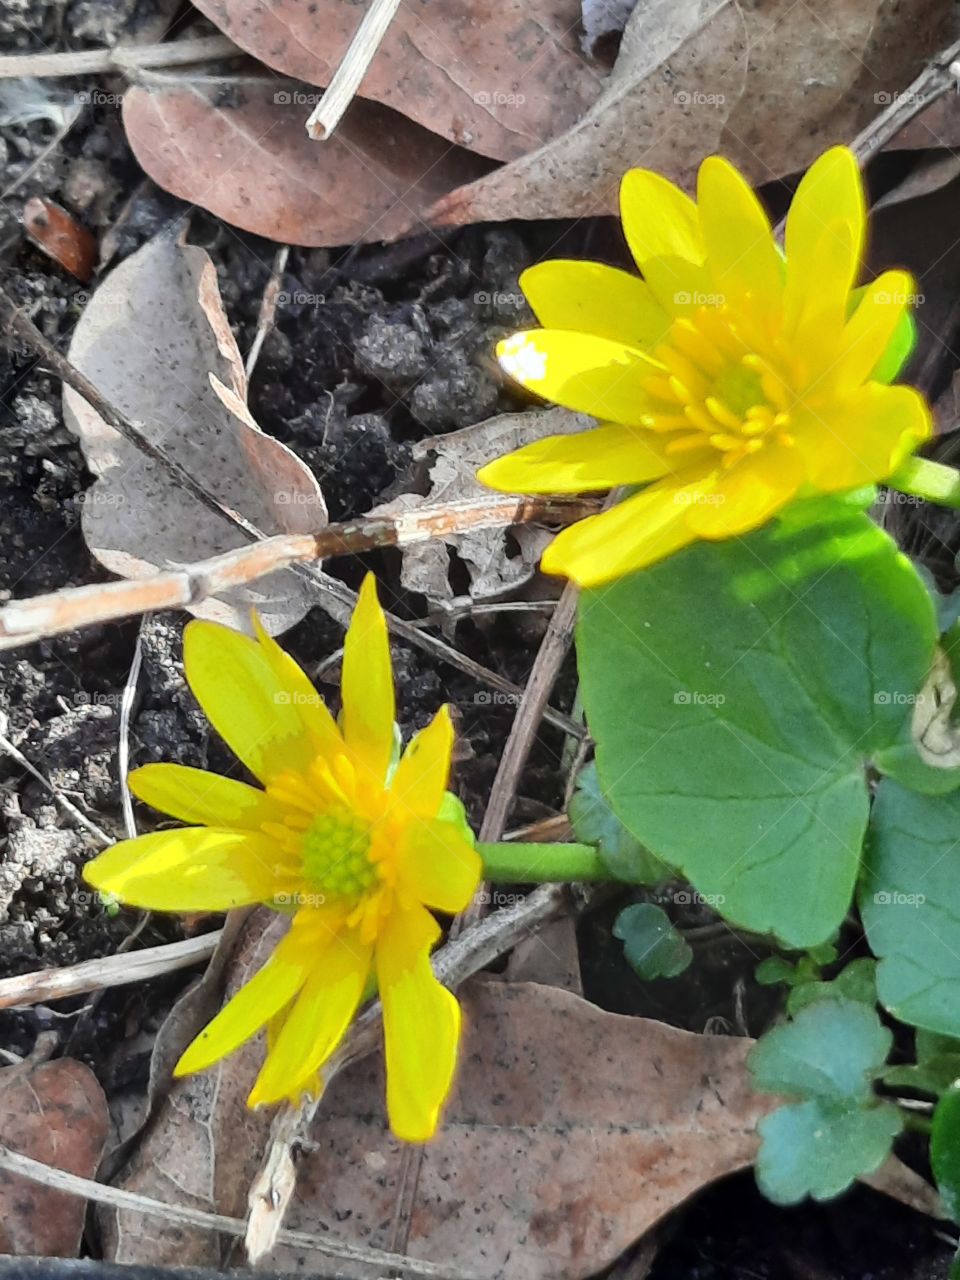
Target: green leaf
[
  {"x": 773, "y": 970},
  {"x": 831, "y": 1050},
  {"x": 652, "y": 946},
  {"x": 945, "y": 1150},
  {"x": 858, "y": 981},
  {"x": 910, "y": 904},
  {"x": 735, "y": 692},
  {"x": 594, "y": 822},
  {"x": 813, "y": 1148}
]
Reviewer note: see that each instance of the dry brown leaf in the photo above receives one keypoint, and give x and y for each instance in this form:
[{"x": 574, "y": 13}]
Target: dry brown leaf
[
  {"x": 54, "y": 1112},
  {"x": 426, "y": 565},
  {"x": 500, "y": 78},
  {"x": 155, "y": 340},
  {"x": 246, "y": 158},
  {"x": 769, "y": 85},
  {"x": 205, "y": 1146}
]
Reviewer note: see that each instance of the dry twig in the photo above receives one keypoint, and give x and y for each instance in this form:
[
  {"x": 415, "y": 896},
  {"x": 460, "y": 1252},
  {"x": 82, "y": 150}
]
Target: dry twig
[
  {"x": 172, "y": 53},
  {"x": 109, "y": 971},
  {"x": 346, "y": 79}
]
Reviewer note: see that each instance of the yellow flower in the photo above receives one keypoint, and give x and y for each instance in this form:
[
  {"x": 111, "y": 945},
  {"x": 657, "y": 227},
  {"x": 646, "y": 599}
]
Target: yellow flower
[
  {"x": 356, "y": 845},
  {"x": 734, "y": 376}
]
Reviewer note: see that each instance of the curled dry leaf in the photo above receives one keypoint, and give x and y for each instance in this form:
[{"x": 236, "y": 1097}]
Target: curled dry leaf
[
  {"x": 499, "y": 78},
  {"x": 769, "y": 85},
  {"x": 54, "y": 1112},
  {"x": 247, "y": 158},
  {"x": 426, "y": 565},
  {"x": 156, "y": 342}
]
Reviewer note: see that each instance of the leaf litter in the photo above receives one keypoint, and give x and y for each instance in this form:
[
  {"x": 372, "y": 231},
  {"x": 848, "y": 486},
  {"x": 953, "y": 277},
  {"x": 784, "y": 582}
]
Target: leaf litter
[{"x": 155, "y": 341}]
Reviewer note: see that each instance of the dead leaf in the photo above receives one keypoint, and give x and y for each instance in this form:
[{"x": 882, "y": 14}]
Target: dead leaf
[
  {"x": 602, "y": 19},
  {"x": 769, "y": 85},
  {"x": 932, "y": 171},
  {"x": 54, "y": 1112},
  {"x": 550, "y": 956},
  {"x": 247, "y": 159},
  {"x": 156, "y": 342},
  {"x": 426, "y": 565},
  {"x": 205, "y": 1145},
  {"x": 499, "y": 78}
]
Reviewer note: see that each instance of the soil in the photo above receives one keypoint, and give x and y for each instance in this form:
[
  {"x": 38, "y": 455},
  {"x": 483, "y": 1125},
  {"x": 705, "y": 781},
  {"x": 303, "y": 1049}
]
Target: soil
[{"x": 375, "y": 348}]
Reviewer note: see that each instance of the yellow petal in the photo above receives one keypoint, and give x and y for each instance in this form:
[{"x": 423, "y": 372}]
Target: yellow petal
[
  {"x": 815, "y": 317},
  {"x": 597, "y": 459},
  {"x": 318, "y": 1017},
  {"x": 421, "y": 1024},
  {"x": 635, "y": 533},
  {"x": 749, "y": 493},
  {"x": 368, "y": 699},
  {"x": 591, "y": 375},
  {"x": 865, "y": 438},
  {"x": 588, "y": 297},
  {"x": 870, "y": 329},
  {"x": 662, "y": 229},
  {"x": 190, "y": 869},
  {"x": 257, "y": 1001},
  {"x": 743, "y": 258},
  {"x": 270, "y": 718},
  {"x": 314, "y": 712},
  {"x": 420, "y": 781},
  {"x": 438, "y": 866},
  {"x": 830, "y": 200},
  {"x": 201, "y": 798}
]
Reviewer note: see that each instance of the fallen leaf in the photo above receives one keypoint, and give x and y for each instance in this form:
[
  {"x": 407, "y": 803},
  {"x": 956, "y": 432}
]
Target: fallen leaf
[
  {"x": 205, "y": 1144},
  {"x": 54, "y": 1112},
  {"x": 155, "y": 341},
  {"x": 602, "y": 19},
  {"x": 933, "y": 170},
  {"x": 247, "y": 158},
  {"x": 497, "y": 78},
  {"x": 452, "y": 475},
  {"x": 770, "y": 86}
]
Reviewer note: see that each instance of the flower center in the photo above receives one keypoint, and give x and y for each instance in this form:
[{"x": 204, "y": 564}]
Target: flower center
[
  {"x": 716, "y": 390},
  {"x": 336, "y": 855}
]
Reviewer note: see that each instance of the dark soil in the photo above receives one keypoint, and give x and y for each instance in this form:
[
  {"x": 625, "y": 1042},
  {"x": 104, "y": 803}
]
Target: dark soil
[{"x": 374, "y": 349}]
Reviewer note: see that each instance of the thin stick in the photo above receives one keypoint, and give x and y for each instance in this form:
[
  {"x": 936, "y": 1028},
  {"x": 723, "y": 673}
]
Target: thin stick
[
  {"x": 937, "y": 78},
  {"x": 273, "y": 1188},
  {"x": 327, "y": 113},
  {"x": 25, "y": 621},
  {"x": 128, "y": 698},
  {"x": 87, "y": 823},
  {"x": 109, "y": 971},
  {"x": 334, "y": 596},
  {"x": 173, "y": 53},
  {"x": 100, "y": 1193},
  {"x": 268, "y": 307}
]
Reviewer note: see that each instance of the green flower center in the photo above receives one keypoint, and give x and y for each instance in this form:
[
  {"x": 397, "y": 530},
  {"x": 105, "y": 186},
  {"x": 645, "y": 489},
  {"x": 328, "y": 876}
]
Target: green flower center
[
  {"x": 739, "y": 389},
  {"x": 336, "y": 855}
]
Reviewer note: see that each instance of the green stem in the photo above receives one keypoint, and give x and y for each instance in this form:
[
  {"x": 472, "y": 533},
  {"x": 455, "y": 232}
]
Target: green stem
[
  {"x": 541, "y": 863},
  {"x": 930, "y": 480}
]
